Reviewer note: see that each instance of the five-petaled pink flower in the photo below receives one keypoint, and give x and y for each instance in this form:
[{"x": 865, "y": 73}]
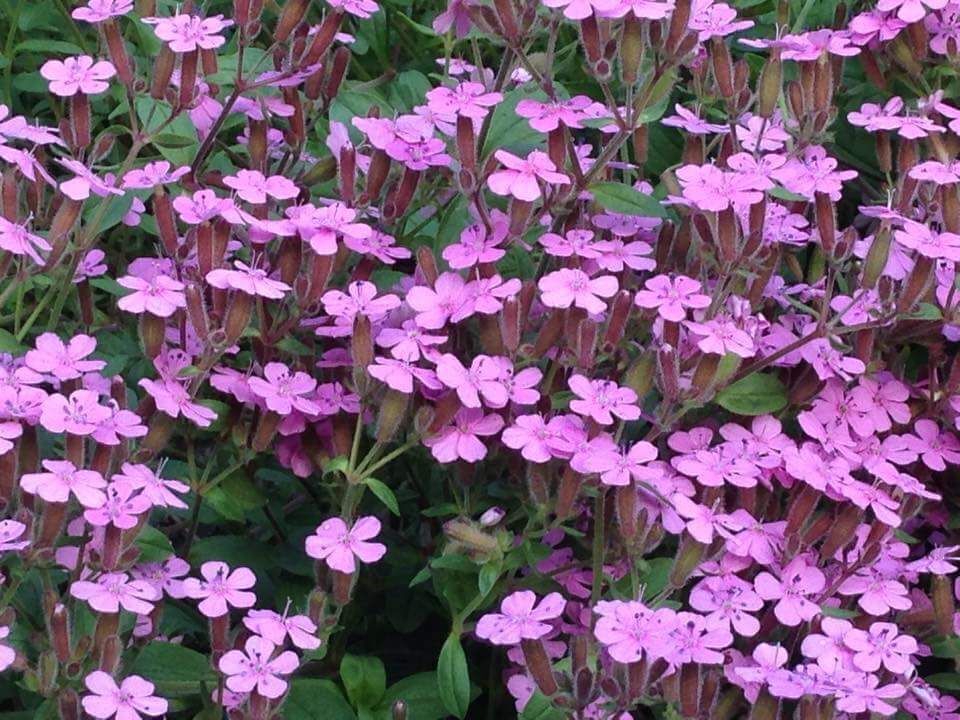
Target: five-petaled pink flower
[
  {"x": 221, "y": 588},
  {"x": 603, "y": 400},
  {"x": 460, "y": 439},
  {"x": 520, "y": 176},
  {"x": 521, "y": 617},
  {"x": 129, "y": 700},
  {"x": 250, "y": 280},
  {"x": 340, "y": 547},
  {"x": 62, "y": 480},
  {"x": 112, "y": 591},
  {"x": 256, "y": 669},
  {"x": 570, "y": 286},
  {"x": 672, "y": 297},
  {"x": 284, "y": 390},
  {"x": 798, "y": 582},
  {"x": 81, "y": 74},
  {"x": 160, "y": 296},
  {"x": 64, "y": 361},
  {"x": 187, "y": 33}
]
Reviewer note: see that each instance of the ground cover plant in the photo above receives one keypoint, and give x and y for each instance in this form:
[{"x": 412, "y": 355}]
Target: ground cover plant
[{"x": 396, "y": 359}]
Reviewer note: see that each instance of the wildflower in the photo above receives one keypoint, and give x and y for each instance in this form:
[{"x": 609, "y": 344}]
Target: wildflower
[
  {"x": 10, "y": 531},
  {"x": 112, "y": 591},
  {"x": 447, "y": 301},
  {"x": 460, "y": 439},
  {"x": 792, "y": 590},
  {"x": 690, "y": 122},
  {"x": 601, "y": 400},
  {"x": 283, "y": 390},
  {"x": 79, "y": 74},
  {"x": 129, "y": 700},
  {"x": 62, "y": 480},
  {"x": 340, "y": 547},
  {"x": 520, "y": 176},
  {"x": 254, "y": 187},
  {"x": 96, "y": 11},
  {"x": 122, "y": 507},
  {"x": 256, "y": 669},
  {"x": 185, "y": 33},
  {"x": 160, "y": 296},
  {"x": 566, "y": 287},
  {"x": 276, "y": 628},
  {"x": 221, "y": 588},
  {"x": 882, "y": 644},
  {"x": 672, "y": 297},
  {"x": 252, "y": 281},
  {"x": 521, "y": 617}
]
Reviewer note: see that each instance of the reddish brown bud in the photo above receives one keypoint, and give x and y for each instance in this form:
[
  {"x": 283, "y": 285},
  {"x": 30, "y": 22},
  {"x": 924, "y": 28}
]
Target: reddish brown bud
[
  {"x": 688, "y": 557},
  {"x": 507, "y": 18},
  {"x": 631, "y": 48},
  {"x": 917, "y": 284},
  {"x": 768, "y": 93},
  {"x": 511, "y": 325},
  {"x": 944, "y": 605},
  {"x": 722, "y": 67},
  {"x": 238, "y": 317},
  {"x": 619, "y": 316},
  {"x": 538, "y": 665},
  {"x": 152, "y": 334},
  {"x": 324, "y": 37},
  {"x": 342, "y": 587},
  {"x": 338, "y": 71},
  {"x": 293, "y": 13},
  {"x": 826, "y": 221},
  {"x": 166, "y": 224}
]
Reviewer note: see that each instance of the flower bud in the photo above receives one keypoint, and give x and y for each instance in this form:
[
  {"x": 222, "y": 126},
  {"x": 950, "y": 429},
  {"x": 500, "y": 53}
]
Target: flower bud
[
  {"x": 722, "y": 67},
  {"x": 520, "y": 211},
  {"x": 238, "y": 317},
  {"x": 538, "y": 664},
  {"x": 507, "y": 18},
  {"x": 393, "y": 410},
  {"x": 840, "y": 531},
  {"x": 473, "y": 538},
  {"x": 510, "y": 325},
  {"x": 689, "y": 555},
  {"x": 631, "y": 48},
  {"x": 267, "y": 425},
  {"x": 801, "y": 506},
  {"x": 321, "y": 171},
  {"x": 619, "y": 316},
  {"x": 110, "y": 654},
  {"x": 162, "y": 70},
  {"x": 188, "y": 77},
  {"x": 626, "y": 499},
  {"x": 690, "y": 681},
  {"x": 293, "y": 12},
  {"x": 917, "y": 284},
  {"x": 570, "y": 483},
  {"x": 640, "y": 374},
  {"x": 60, "y": 227},
  {"x": 427, "y": 264},
  {"x": 944, "y": 606},
  {"x": 669, "y": 372},
  {"x": 768, "y": 93},
  {"x": 826, "y": 221},
  {"x": 398, "y": 711},
  {"x": 338, "y": 71},
  {"x": 68, "y": 703},
  {"x": 152, "y": 330},
  {"x": 705, "y": 374},
  {"x": 342, "y": 586},
  {"x": 323, "y": 38},
  {"x": 766, "y": 707},
  {"x": 679, "y": 20}
]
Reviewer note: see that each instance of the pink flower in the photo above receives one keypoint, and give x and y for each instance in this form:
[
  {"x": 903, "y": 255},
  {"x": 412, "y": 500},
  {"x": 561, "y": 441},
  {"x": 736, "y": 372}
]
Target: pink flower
[
  {"x": 672, "y": 297},
  {"x": 400, "y": 374},
  {"x": 882, "y": 645},
  {"x": 476, "y": 246},
  {"x": 164, "y": 576},
  {"x": 221, "y": 588},
  {"x": 85, "y": 182},
  {"x": 721, "y": 336},
  {"x": 80, "y": 414},
  {"x": 827, "y": 647},
  {"x": 566, "y": 287},
  {"x": 521, "y": 617},
  {"x": 62, "y": 480},
  {"x": 580, "y": 9},
  {"x": 618, "y": 467},
  {"x": 7, "y": 654},
  {"x": 16, "y": 239},
  {"x": 798, "y": 581},
  {"x": 728, "y": 600},
  {"x": 173, "y": 399},
  {"x": 928, "y": 242},
  {"x": 467, "y": 99},
  {"x": 79, "y": 74},
  {"x": 408, "y": 342},
  {"x": 864, "y": 694},
  {"x": 460, "y": 439},
  {"x": 711, "y": 19},
  {"x": 121, "y": 508},
  {"x": 153, "y": 174},
  {"x": 709, "y": 188},
  {"x": 63, "y": 361},
  {"x": 910, "y": 11},
  {"x": 703, "y": 522},
  {"x": 694, "y": 639},
  {"x": 878, "y": 592},
  {"x": 161, "y": 492},
  {"x": 520, "y": 176},
  {"x": 548, "y": 116},
  {"x": 160, "y": 296},
  {"x": 448, "y": 301},
  {"x": 358, "y": 8},
  {"x": 602, "y": 400},
  {"x": 360, "y": 299},
  {"x": 96, "y": 11},
  {"x": 692, "y": 123},
  {"x": 252, "y": 281},
  {"x": 629, "y": 629},
  {"x": 113, "y": 591},
  {"x": 340, "y": 547},
  {"x": 187, "y": 33},
  {"x": 936, "y": 448},
  {"x": 254, "y": 187},
  {"x": 529, "y": 434},
  {"x": 283, "y": 390},
  {"x": 276, "y": 628},
  {"x": 10, "y": 530},
  {"x": 256, "y": 669},
  {"x": 482, "y": 378},
  {"x": 128, "y": 701},
  {"x": 379, "y": 245}
]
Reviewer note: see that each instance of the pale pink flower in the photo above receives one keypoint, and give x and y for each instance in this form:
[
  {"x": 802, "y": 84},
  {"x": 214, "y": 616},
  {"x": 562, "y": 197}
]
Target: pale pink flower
[
  {"x": 357, "y": 8},
  {"x": 448, "y": 301},
  {"x": 672, "y": 297},
  {"x": 63, "y": 360},
  {"x": 482, "y": 378},
  {"x": 111, "y": 592},
  {"x": 254, "y": 187},
  {"x": 256, "y": 669},
  {"x": 81, "y": 74},
  {"x": 80, "y": 414},
  {"x": 122, "y": 507},
  {"x": 96, "y": 11},
  {"x": 7, "y": 654},
  {"x": 929, "y": 242},
  {"x": 250, "y": 280},
  {"x": 602, "y": 400},
  {"x": 570, "y": 286},
  {"x": 283, "y": 390},
  {"x": 160, "y": 296},
  {"x": 798, "y": 581},
  {"x": 935, "y": 447},
  {"x": 221, "y": 588},
  {"x": 186, "y": 33},
  {"x": 16, "y": 239},
  {"x": 910, "y": 11},
  {"x": 160, "y": 491},
  {"x": 276, "y": 628},
  {"x": 882, "y": 644},
  {"x": 460, "y": 439},
  {"x": 521, "y": 617},
  {"x": 520, "y": 176},
  {"x": 340, "y": 547},
  {"x": 129, "y": 700}
]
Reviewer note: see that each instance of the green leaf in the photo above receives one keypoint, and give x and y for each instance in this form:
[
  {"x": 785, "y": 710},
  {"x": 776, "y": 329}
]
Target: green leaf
[
  {"x": 507, "y": 131},
  {"x": 838, "y": 612},
  {"x": 9, "y": 343},
  {"x": 944, "y": 681},
  {"x": 756, "y": 394},
  {"x": 946, "y": 647},
  {"x": 421, "y": 695},
  {"x": 623, "y": 199},
  {"x": 311, "y": 698},
  {"x": 453, "y": 677},
  {"x": 539, "y": 707},
  {"x": 174, "y": 669},
  {"x": 384, "y": 494},
  {"x": 784, "y": 194},
  {"x": 364, "y": 678},
  {"x": 153, "y": 545}
]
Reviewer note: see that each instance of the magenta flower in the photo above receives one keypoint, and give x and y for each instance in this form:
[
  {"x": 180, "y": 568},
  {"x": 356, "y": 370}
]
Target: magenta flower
[
  {"x": 63, "y": 361},
  {"x": 400, "y": 374},
  {"x": 408, "y": 342},
  {"x": 865, "y": 694},
  {"x": 521, "y": 617},
  {"x": 129, "y": 700},
  {"x": 466, "y": 99},
  {"x": 173, "y": 399},
  {"x": 256, "y": 669},
  {"x": 221, "y": 588},
  {"x": 112, "y": 591},
  {"x": 476, "y": 246},
  {"x": 672, "y": 297},
  {"x": 529, "y": 434},
  {"x": 695, "y": 639},
  {"x": 548, "y": 116},
  {"x": 798, "y": 581},
  {"x": 252, "y": 281},
  {"x": 160, "y": 296},
  {"x": 276, "y": 628},
  {"x": 96, "y": 11},
  {"x": 448, "y": 301},
  {"x": 357, "y": 8},
  {"x": 186, "y": 33},
  {"x": 164, "y": 576},
  {"x": 16, "y": 239},
  {"x": 827, "y": 647},
  {"x": 254, "y": 187},
  {"x": 80, "y": 414},
  {"x": 520, "y": 176},
  {"x": 722, "y": 336},
  {"x": 911, "y": 11},
  {"x": 602, "y": 400},
  {"x": 283, "y": 390},
  {"x": 482, "y": 378},
  {"x": 360, "y": 299},
  {"x": 728, "y": 600},
  {"x": 629, "y": 629},
  {"x": 580, "y": 9},
  {"x": 703, "y": 522},
  {"x": 460, "y": 439},
  {"x": 567, "y": 287},
  {"x": 153, "y": 174},
  {"x": 692, "y": 123},
  {"x": 340, "y": 547},
  {"x": 62, "y": 480},
  {"x": 159, "y": 491},
  {"x": 79, "y": 74},
  {"x": 619, "y": 467}
]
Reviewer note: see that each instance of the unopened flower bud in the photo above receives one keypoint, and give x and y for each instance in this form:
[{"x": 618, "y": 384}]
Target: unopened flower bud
[
  {"x": 293, "y": 12},
  {"x": 538, "y": 665},
  {"x": 473, "y": 538},
  {"x": 766, "y": 707},
  {"x": 238, "y": 317},
  {"x": 631, "y": 48},
  {"x": 944, "y": 605},
  {"x": 68, "y": 703},
  {"x": 393, "y": 411},
  {"x": 427, "y": 264},
  {"x": 267, "y": 425},
  {"x": 917, "y": 284},
  {"x": 619, "y": 316},
  {"x": 162, "y": 70},
  {"x": 338, "y": 71},
  {"x": 768, "y": 93},
  {"x": 342, "y": 587},
  {"x": 324, "y": 37},
  {"x": 626, "y": 498},
  {"x": 826, "y": 221},
  {"x": 689, "y": 555}
]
